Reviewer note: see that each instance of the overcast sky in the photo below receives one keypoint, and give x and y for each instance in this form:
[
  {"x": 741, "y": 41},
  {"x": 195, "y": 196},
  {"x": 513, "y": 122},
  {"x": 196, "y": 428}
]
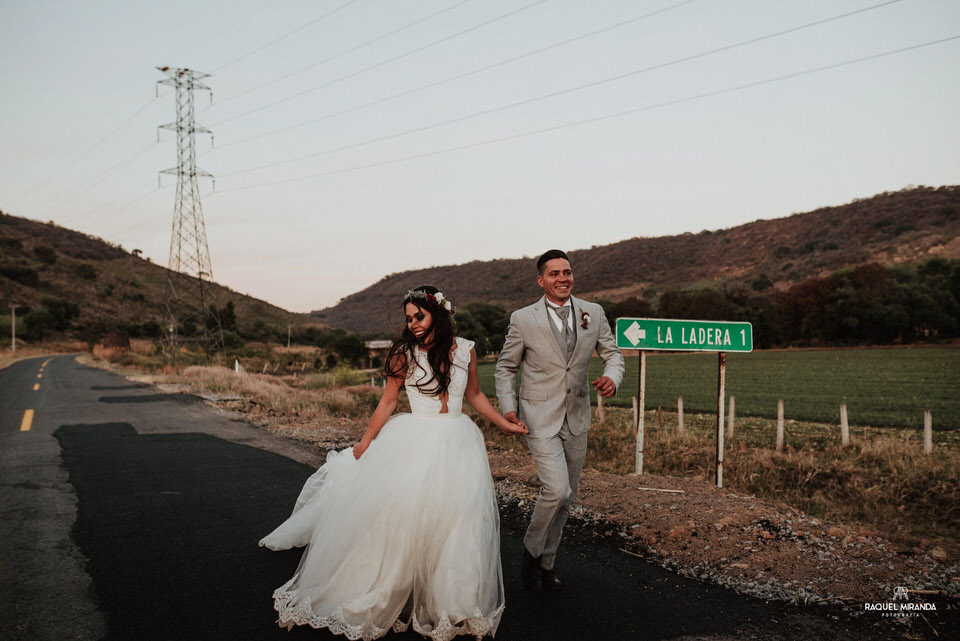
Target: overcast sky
[{"x": 573, "y": 123}]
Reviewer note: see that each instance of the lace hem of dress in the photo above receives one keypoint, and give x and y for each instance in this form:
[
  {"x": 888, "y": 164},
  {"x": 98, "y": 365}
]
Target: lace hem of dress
[{"x": 293, "y": 612}]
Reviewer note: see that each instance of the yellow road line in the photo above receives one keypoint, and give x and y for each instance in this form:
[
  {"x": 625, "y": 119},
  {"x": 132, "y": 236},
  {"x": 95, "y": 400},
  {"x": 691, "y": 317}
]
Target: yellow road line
[
  {"x": 45, "y": 362},
  {"x": 39, "y": 375},
  {"x": 27, "y": 421},
  {"x": 36, "y": 386}
]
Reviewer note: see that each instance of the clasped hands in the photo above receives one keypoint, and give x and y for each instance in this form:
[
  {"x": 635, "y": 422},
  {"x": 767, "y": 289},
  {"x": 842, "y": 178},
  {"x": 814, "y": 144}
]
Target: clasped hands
[{"x": 514, "y": 425}]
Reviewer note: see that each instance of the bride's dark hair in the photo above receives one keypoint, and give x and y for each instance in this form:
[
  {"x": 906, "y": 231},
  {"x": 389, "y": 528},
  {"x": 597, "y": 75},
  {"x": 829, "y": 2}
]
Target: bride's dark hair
[{"x": 438, "y": 355}]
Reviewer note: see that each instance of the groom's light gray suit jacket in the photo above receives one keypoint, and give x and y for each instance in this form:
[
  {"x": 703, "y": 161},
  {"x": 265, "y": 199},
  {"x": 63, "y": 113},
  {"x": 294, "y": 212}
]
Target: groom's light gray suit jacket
[{"x": 550, "y": 385}]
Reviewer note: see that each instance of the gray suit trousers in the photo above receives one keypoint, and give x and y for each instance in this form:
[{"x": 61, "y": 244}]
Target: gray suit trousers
[{"x": 559, "y": 460}]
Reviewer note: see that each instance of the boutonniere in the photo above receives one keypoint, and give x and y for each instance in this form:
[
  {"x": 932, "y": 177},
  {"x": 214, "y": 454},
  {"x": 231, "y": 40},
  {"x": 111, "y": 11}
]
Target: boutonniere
[{"x": 584, "y": 320}]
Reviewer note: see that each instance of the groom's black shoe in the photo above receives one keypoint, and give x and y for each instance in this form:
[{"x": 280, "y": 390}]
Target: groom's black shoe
[
  {"x": 549, "y": 582},
  {"x": 530, "y": 572}
]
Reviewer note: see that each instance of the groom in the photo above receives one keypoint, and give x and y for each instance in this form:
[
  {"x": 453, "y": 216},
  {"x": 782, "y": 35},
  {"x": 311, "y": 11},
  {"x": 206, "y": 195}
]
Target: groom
[{"x": 554, "y": 339}]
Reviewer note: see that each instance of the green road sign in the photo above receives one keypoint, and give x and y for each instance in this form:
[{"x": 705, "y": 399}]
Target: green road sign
[{"x": 684, "y": 335}]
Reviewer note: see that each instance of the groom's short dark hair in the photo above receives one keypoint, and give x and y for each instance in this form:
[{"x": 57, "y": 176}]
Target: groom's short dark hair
[{"x": 550, "y": 255}]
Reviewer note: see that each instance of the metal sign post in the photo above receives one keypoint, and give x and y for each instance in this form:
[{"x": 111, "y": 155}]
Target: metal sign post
[
  {"x": 641, "y": 393},
  {"x": 667, "y": 334},
  {"x": 721, "y": 384}
]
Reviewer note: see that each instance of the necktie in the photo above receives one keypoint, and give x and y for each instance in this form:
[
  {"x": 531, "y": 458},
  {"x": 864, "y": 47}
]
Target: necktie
[{"x": 565, "y": 332}]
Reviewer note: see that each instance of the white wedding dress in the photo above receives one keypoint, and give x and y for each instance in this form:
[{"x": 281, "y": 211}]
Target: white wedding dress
[{"x": 406, "y": 535}]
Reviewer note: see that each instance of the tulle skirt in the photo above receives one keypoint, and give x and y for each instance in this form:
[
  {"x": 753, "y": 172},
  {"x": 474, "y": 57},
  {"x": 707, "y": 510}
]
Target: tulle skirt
[{"x": 407, "y": 535}]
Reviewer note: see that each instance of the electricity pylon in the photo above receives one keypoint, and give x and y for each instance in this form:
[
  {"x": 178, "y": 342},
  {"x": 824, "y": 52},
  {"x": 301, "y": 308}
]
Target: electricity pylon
[{"x": 191, "y": 313}]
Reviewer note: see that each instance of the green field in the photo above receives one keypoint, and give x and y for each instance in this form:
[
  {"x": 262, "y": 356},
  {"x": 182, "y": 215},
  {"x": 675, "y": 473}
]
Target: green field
[{"x": 881, "y": 387}]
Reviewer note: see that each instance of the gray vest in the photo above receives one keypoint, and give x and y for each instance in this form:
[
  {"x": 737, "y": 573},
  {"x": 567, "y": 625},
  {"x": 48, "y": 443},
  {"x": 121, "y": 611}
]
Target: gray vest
[{"x": 564, "y": 348}]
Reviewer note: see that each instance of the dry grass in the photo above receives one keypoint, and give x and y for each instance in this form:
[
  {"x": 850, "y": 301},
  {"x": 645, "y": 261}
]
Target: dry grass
[
  {"x": 339, "y": 377},
  {"x": 8, "y": 357},
  {"x": 313, "y": 405}
]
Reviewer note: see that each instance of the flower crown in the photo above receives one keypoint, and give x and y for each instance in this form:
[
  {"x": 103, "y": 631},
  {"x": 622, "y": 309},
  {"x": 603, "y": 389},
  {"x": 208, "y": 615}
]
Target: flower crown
[{"x": 437, "y": 299}]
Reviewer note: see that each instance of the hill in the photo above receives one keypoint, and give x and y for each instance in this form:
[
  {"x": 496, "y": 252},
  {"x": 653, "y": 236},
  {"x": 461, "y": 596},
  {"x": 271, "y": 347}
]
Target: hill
[
  {"x": 111, "y": 287},
  {"x": 907, "y": 226}
]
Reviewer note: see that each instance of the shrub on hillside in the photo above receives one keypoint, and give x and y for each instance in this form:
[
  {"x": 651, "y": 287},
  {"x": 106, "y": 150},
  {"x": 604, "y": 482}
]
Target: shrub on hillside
[
  {"x": 45, "y": 254},
  {"x": 22, "y": 275},
  {"x": 86, "y": 271},
  {"x": 63, "y": 312},
  {"x": 39, "y": 322},
  {"x": 117, "y": 340},
  {"x": 350, "y": 348},
  {"x": 232, "y": 340},
  {"x": 228, "y": 317}
]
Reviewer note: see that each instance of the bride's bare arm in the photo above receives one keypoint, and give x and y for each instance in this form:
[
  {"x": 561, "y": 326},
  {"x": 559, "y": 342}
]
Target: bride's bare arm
[
  {"x": 481, "y": 403},
  {"x": 388, "y": 403}
]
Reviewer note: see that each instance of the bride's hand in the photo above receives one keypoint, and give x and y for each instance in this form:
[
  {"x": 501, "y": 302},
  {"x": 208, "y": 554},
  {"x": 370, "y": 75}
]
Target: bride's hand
[{"x": 359, "y": 449}]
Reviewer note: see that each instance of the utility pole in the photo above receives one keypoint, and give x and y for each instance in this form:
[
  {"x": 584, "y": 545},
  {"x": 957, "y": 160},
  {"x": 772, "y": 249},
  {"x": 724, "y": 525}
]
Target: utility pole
[
  {"x": 13, "y": 327},
  {"x": 191, "y": 313}
]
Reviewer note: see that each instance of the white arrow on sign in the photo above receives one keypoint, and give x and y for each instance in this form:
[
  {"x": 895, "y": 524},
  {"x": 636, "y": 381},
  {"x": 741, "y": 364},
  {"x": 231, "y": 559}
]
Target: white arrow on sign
[{"x": 634, "y": 334}]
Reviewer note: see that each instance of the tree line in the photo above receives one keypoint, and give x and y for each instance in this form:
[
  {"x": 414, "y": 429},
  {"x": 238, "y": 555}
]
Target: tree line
[{"x": 868, "y": 305}]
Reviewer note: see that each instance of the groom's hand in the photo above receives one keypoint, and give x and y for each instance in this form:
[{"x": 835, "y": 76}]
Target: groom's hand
[
  {"x": 512, "y": 417},
  {"x": 604, "y": 387}
]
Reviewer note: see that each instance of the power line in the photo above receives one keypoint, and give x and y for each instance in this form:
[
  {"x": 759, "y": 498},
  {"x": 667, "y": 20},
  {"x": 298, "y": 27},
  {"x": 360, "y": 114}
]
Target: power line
[
  {"x": 561, "y": 92},
  {"x": 85, "y": 153},
  {"x": 223, "y": 30},
  {"x": 117, "y": 210},
  {"x": 89, "y": 185},
  {"x": 142, "y": 223},
  {"x": 284, "y": 36},
  {"x": 100, "y": 207},
  {"x": 382, "y": 63},
  {"x": 344, "y": 52},
  {"x": 461, "y": 75},
  {"x": 618, "y": 114}
]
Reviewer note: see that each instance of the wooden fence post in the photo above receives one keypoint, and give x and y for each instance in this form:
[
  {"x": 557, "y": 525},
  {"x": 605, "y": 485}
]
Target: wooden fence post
[
  {"x": 844, "y": 426},
  {"x": 927, "y": 432},
  {"x": 680, "y": 415},
  {"x": 730, "y": 417},
  {"x": 780, "y": 425}
]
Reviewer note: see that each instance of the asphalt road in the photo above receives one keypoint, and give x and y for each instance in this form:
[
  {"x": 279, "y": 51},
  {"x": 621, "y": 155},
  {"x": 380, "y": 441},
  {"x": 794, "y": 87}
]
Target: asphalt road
[{"x": 128, "y": 513}]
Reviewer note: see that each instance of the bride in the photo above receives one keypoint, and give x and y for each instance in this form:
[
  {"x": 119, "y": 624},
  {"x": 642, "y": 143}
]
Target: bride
[{"x": 403, "y": 529}]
